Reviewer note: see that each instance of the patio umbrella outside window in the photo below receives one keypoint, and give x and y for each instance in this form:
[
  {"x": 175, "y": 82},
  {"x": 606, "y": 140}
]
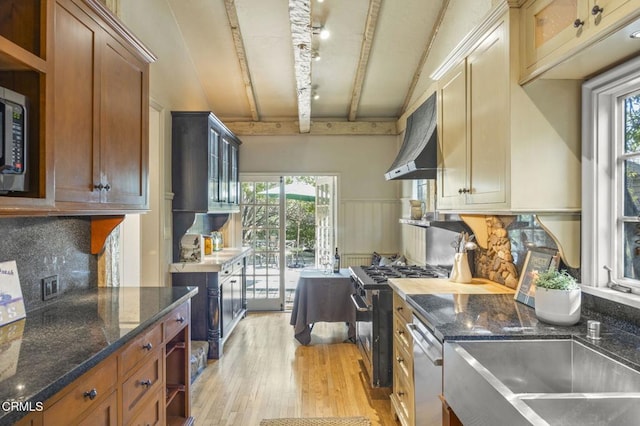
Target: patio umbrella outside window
[{"x": 299, "y": 191}]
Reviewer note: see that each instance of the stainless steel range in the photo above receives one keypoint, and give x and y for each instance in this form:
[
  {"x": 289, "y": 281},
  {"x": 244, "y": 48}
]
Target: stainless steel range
[{"x": 373, "y": 299}]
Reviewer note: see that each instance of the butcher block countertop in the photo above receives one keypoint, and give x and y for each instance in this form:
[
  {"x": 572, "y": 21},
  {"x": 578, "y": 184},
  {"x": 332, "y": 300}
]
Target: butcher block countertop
[{"x": 406, "y": 286}]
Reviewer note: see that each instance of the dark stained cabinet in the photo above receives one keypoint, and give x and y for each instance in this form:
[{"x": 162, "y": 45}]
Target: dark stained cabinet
[
  {"x": 205, "y": 164},
  {"x": 220, "y": 304},
  {"x": 101, "y": 105}
]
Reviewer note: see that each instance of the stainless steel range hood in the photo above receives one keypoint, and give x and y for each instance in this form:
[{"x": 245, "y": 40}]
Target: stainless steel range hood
[{"x": 417, "y": 158}]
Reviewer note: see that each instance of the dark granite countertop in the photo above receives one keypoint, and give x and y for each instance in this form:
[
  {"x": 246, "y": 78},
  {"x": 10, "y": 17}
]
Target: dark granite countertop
[
  {"x": 499, "y": 316},
  {"x": 64, "y": 340}
]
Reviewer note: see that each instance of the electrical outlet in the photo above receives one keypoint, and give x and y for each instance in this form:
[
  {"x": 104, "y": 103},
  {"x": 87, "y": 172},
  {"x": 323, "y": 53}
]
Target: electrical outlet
[{"x": 50, "y": 287}]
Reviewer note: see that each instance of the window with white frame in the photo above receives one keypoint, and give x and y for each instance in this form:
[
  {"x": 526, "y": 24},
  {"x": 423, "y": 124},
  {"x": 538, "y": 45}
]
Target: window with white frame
[{"x": 611, "y": 178}]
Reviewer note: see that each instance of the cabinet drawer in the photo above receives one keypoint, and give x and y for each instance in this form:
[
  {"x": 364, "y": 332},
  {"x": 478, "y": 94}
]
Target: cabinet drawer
[
  {"x": 402, "y": 361},
  {"x": 142, "y": 382},
  {"x": 33, "y": 419},
  {"x": 140, "y": 348},
  {"x": 104, "y": 414},
  {"x": 175, "y": 321},
  {"x": 402, "y": 398},
  {"x": 152, "y": 413},
  {"x": 401, "y": 307},
  {"x": 401, "y": 333},
  {"x": 97, "y": 383}
]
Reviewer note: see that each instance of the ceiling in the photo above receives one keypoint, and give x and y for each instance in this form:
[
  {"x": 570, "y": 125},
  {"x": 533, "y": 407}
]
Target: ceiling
[{"x": 253, "y": 60}]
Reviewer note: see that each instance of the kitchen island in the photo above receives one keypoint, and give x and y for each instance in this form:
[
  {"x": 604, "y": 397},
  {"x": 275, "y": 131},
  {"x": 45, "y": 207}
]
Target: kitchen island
[{"x": 89, "y": 339}]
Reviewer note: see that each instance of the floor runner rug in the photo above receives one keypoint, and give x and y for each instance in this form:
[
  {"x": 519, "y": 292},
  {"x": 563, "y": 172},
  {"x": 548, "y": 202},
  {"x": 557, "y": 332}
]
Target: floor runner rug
[{"x": 318, "y": 421}]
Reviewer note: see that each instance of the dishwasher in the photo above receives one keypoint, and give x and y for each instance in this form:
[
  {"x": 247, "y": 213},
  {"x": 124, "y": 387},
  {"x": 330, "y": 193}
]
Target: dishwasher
[{"x": 427, "y": 374}]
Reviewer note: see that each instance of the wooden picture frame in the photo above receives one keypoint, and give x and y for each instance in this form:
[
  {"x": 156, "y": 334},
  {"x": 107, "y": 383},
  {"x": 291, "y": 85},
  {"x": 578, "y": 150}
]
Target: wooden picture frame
[{"x": 537, "y": 260}]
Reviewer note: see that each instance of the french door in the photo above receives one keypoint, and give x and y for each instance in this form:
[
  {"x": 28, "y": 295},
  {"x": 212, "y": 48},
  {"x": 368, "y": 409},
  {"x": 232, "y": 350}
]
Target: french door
[
  {"x": 262, "y": 211},
  {"x": 271, "y": 205}
]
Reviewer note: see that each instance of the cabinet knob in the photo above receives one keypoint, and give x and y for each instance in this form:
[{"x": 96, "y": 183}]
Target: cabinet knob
[
  {"x": 578, "y": 23},
  {"x": 463, "y": 191},
  {"x": 146, "y": 383},
  {"x": 596, "y": 10},
  {"x": 180, "y": 319},
  {"x": 399, "y": 359},
  {"x": 400, "y": 331},
  {"x": 99, "y": 187},
  {"x": 92, "y": 394},
  {"x": 147, "y": 346},
  {"x": 399, "y": 308},
  {"x": 400, "y": 394},
  {"x": 107, "y": 187}
]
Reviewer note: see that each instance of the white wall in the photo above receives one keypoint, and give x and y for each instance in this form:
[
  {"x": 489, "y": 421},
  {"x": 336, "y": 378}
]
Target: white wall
[{"x": 368, "y": 205}]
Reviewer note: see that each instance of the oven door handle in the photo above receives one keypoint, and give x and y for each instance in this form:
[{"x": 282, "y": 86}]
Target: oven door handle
[
  {"x": 418, "y": 338},
  {"x": 359, "y": 306}
]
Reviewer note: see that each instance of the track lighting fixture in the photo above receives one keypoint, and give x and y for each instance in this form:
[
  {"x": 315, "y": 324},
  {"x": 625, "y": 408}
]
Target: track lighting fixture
[{"x": 321, "y": 31}]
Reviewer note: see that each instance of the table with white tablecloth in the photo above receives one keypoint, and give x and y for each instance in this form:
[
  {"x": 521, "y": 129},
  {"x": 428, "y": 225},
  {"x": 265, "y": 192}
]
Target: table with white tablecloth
[{"x": 322, "y": 297}]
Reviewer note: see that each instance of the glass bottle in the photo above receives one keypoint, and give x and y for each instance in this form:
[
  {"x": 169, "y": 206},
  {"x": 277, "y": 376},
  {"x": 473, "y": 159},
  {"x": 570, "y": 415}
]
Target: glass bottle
[{"x": 336, "y": 262}]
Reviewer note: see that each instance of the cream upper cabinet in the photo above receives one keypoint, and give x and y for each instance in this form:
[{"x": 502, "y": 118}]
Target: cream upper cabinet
[
  {"x": 504, "y": 147},
  {"x": 488, "y": 119},
  {"x": 452, "y": 137},
  {"x": 554, "y": 30}
]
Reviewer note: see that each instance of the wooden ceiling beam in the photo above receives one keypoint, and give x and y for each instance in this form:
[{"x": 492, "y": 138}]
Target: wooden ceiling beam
[
  {"x": 234, "y": 24},
  {"x": 287, "y": 128},
  {"x": 301, "y": 31},
  {"x": 365, "y": 51}
]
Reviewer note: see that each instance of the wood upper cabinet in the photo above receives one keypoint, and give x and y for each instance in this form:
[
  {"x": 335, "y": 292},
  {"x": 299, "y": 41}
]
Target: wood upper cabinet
[
  {"x": 554, "y": 30},
  {"x": 504, "y": 147},
  {"x": 101, "y": 113}
]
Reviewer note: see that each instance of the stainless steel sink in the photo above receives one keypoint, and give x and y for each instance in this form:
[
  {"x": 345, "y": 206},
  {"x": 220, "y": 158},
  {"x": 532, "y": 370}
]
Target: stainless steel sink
[{"x": 538, "y": 382}]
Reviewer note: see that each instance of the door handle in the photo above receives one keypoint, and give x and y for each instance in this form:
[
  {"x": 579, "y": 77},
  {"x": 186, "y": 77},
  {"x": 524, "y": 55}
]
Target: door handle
[{"x": 358, "y": 305}]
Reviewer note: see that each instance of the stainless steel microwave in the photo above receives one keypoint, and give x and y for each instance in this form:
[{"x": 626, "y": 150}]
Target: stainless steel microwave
[{"x": 13, "y": 141}]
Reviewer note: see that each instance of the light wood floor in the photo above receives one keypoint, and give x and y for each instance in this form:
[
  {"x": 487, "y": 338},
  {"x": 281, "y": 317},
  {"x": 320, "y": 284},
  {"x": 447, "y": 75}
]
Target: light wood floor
[{"x": 266, "y": 373}]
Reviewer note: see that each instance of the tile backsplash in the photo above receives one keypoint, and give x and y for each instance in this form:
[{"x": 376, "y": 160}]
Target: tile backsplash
[{"x": 45, "y": 246}]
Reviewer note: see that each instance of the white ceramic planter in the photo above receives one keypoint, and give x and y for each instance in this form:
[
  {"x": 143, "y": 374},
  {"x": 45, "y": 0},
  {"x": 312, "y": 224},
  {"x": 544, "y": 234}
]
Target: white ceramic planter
[{"x": 558, "y": 307}]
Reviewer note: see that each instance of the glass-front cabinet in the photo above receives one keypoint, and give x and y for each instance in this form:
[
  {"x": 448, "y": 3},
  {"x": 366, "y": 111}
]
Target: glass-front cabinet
[
  {"x": 204, "y": 163},
  {"x": 554, "y": 30}
]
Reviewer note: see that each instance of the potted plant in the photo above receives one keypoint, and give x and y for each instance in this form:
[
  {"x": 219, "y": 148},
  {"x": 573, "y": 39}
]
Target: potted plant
[{"x": 557, "y": 298}]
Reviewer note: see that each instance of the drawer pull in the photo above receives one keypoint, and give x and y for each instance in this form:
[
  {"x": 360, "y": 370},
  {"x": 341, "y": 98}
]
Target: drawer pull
[
  {"x": 146, "y": 383},
  {"x": 180, "y": 319},
  {"x": 147, "y": 346},
  {"x": 92, "y": 394},
  {"x": 596, "y": 10},
  {"x": 578, "y": 23}
]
